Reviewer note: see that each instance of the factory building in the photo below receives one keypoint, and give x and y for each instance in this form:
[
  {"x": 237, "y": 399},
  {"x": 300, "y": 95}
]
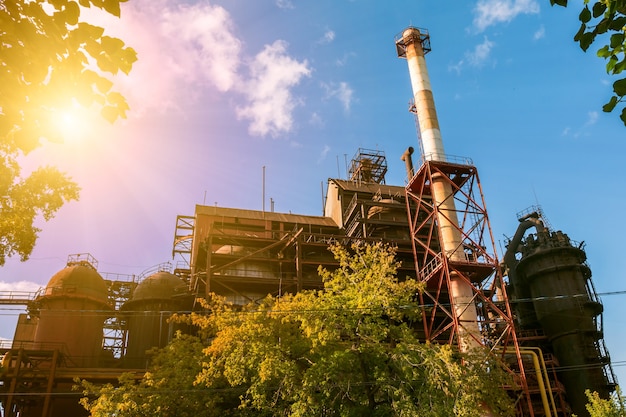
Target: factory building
[{"x": 537, "y": 309}]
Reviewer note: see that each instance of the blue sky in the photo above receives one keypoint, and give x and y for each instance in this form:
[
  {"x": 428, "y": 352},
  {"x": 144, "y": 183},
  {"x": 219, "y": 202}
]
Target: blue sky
[{"x": 225, "y": 88}]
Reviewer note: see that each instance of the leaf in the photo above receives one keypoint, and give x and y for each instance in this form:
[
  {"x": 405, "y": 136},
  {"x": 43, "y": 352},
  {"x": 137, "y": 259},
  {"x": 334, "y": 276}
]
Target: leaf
[
  {"x": 603, "y": 26},
  {"x": 604, "y": 52},
  {"x": 109, "y": 113},
  {"x": 598, "y": 9},
  {"x": 103, "y": 84},
  {"x": 611, "y": 64},
  {"x": 617, "y": 39},
  {"x": 558, "y": 3},
  {"x": 608, "y": 107},
  {"x": 619, "y": 67},
  {"x": 619, "y": 87},
  {"x": 586, "y": 40},
  {"x": 618, "y": 24},
  {"x": 623, "y": 116},
  {"x": 72, "y": 12},
  {"x": 585, "y": 15},
  {"x": 91, "y": 31},
  {"x": 111, "y": 45},
  {"x": 113, "y": 7},
  {"x": 580, "y": 32}
]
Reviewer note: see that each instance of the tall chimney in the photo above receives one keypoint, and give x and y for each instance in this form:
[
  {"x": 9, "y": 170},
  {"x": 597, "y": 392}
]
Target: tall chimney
[{"x": 413, "y": 44}]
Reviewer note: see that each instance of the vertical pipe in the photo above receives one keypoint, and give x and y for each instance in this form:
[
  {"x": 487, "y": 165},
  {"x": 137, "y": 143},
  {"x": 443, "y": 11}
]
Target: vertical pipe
[
  {"x": 408, "y": 162},
  {"x": 451, "y": 240}
]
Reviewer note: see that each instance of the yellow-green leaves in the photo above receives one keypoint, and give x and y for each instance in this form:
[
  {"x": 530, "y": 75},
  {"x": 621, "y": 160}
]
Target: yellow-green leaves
[{"x": 50, "y": 61}]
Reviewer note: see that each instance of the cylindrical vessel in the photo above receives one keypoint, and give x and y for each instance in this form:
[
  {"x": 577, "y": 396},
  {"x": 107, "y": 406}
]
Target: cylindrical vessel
[
  {"x": 72, "y": 311},
  {"x": 148, "y": 312},
  {"x": 556, "y": 275}
]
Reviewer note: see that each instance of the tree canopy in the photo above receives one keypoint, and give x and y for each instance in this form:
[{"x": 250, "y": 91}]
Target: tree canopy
[
  {"x": 348, "y": 349},
  {"x": 606, "y": 20},
  {"x": 605, "y": 407},
  {"x": 50, "y": 62}
]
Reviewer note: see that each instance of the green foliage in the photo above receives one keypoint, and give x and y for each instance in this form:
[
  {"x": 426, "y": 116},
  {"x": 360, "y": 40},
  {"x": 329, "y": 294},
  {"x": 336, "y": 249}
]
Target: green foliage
[
  {"x": 606, "y": 19},
  {"x": 45, "y": 59},
  {"x": 601, "y": 407},
  {"x": 349, "y": 349},
  {"x": 152, "y": 395},
  {"x": 22, "y": 200}
]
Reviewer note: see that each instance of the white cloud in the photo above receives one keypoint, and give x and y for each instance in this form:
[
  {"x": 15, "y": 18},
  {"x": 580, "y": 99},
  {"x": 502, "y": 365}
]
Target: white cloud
[
  {"x": 179, "y": 47},
  {"x": 205, "y": 46},
  {"x": 328, "y": 37},
  {"x": 183, "y": 49},
  {"x": 324, "y": 153},
  {"x": 491, "y": 12},
  {"x": 284, "y": 4},
  {"x": 344, "y": 59},
  {"x": 19, "y": 286},
  {"x": 457, "y": 67},
  {"x": 592, "y": 118},
  {"x": 481, "y": 53},
  {"x": 271, "y": 102},
  {"x": 316, "y": 120},
  {"x": 539, "y": 33},
  {"x": 475, "y": 58},
  {"x": 341, "y": 92}
]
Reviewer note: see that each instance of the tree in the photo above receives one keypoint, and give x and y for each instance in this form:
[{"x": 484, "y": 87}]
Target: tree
[
  {"x": 349, "y": 349},
  {"x": 611, "y": 407},
  {"x": 168, "y": 390},
  {"x": 50, "y": 62},
  {"x": 606, "y": 19}
]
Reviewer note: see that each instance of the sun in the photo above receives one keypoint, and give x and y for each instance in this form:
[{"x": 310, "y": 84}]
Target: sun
[{"x": 72, "y": 124}]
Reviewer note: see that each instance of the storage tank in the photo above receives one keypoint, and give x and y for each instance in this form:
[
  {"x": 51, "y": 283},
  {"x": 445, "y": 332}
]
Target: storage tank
[
  {"x": 557, "y": 279},
  {"x": 153, "y": 302},
  {"x": 72, "y": 310}
]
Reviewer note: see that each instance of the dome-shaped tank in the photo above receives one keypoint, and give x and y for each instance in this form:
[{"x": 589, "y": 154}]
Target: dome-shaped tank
[
  {"x": 72, "y": 311},
  {"x": 152, "y": 303}
]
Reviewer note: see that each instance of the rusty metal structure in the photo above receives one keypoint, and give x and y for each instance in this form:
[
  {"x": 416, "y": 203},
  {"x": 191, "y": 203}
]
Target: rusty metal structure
[
  {"x": 558, "y": 352},
  {"x": 536, "y": 309}
]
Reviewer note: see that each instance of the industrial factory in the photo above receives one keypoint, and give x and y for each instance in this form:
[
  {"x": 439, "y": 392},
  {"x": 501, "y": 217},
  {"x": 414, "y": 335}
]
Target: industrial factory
[{"x": 535, "y": 307}]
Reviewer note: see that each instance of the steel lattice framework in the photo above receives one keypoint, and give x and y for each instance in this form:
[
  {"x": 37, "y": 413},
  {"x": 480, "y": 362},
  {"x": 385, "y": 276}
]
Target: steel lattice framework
[{"x": 478, "y": 268}]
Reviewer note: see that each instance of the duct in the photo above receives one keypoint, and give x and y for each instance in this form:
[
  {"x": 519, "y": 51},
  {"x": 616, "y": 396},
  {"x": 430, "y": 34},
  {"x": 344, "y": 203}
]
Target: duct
[
  {"x": 406, "y": 157},
  {"x": 525, "y": 311},
  {"x": 525, "y": 223}
]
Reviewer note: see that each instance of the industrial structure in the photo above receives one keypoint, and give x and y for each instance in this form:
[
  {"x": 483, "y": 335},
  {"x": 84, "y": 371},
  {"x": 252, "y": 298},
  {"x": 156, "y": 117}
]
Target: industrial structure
[{"x": 537, "y": 309}]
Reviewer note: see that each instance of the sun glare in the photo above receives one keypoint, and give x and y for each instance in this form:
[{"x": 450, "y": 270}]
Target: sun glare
[{"x": 73, "y": 124}]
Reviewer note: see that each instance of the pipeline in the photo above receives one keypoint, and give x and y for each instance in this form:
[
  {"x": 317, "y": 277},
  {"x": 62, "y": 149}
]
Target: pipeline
[
  {"x": 408, "y": 161},
  {"x": 545, "y": 390},
  {"x": 527, "y": 222}
]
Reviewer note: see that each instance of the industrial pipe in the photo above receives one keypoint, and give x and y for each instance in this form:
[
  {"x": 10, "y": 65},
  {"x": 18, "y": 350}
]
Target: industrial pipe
[
  {"x": 408, "y": 161},
  {"x": 541, "y": 374},
  {"x": 546, "y": 377}
]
